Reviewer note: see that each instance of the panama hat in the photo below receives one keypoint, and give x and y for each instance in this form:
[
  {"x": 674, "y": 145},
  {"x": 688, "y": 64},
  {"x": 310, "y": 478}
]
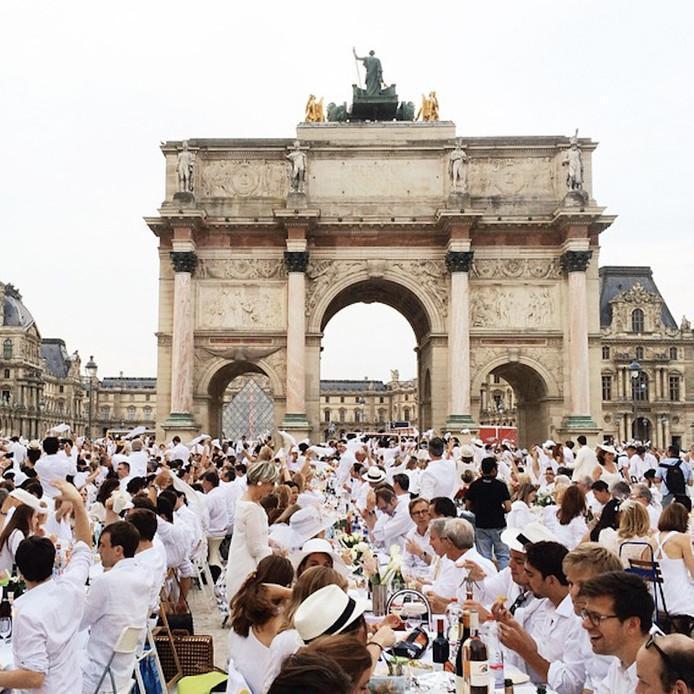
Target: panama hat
[
  {"x": 607, "y": 448},
  {"x": 515, "y": 538},
  {"x": 374, "y": 475},
  {"x": 305, "y": 524},
  {"x": 327, "y": 611},
  {"x": 319, "y": 546}
]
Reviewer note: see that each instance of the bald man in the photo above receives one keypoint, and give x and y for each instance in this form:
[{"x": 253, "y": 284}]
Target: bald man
[{"x": 665, "y": 665}]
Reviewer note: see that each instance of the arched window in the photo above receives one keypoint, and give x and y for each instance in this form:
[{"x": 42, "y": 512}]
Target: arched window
[
  {"x": 7, "y": 349},
  {"x": 637, "y": 321},
  {"x": 406, "y": 414},
  {"x": 342, "y": 414},
  {"x": 131, "y": 413},
  {"x": 357, "y": 416},
  {"x": 639, "y": 352},
  {"x": 673, "y": 353},
  {"x": 326, "y": 415},
  {"x": 639, "y": 386},
  {"x": 147, "y": 412},
  {"x": 105, "y": 411},
  {"x": 381, "y": 416},
  {"x": 61, "y": 406},
  {"x": 605, "y": 352}
]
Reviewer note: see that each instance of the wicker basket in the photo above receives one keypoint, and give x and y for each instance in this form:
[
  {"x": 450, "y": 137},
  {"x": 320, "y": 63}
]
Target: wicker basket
[{"x": 195, "y": 654}]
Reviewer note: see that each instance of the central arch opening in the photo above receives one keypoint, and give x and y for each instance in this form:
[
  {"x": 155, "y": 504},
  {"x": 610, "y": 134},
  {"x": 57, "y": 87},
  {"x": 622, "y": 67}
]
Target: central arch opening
[{"x": 374, "y": 348}]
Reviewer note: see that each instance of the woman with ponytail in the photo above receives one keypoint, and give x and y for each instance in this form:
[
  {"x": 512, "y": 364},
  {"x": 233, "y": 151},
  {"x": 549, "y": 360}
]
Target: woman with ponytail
[{"x": 257, "y": 614}]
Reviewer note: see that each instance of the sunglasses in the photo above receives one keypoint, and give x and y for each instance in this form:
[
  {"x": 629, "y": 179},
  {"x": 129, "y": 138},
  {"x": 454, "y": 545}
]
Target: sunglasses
[{"x": 667, "y": 661}]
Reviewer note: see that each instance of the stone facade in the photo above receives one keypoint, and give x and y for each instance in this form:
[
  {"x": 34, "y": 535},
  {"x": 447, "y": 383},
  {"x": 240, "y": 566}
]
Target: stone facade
[
  {"x": 125, "y": 402},
  {"x": 40, "y": 383},
  {"x": 487, "y": 276},
  {"x": 652, "y": 399}
]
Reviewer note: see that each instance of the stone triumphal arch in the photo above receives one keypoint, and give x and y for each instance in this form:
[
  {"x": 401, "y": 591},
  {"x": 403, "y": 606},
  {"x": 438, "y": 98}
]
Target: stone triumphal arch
[{"x": 480, "y": 243}]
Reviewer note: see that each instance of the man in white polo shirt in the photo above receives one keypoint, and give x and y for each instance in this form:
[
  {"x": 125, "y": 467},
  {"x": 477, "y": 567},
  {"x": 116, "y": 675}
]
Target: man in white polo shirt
[{"x": 47, "y": 617}]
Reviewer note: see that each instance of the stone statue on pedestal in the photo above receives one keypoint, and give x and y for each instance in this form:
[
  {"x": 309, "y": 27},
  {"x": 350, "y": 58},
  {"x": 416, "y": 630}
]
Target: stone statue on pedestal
[
  {"x": 297, "y": 175},
  {"x": 185, "y": 168},
  {"x": 574, "y": 161},
  {"x": 458, "y": 168}
]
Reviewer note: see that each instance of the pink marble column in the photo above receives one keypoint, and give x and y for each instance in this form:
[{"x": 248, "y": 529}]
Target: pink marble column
[
  {"x": 458, "y": 264},
  {"x": 296, "y": 262},
  {"x": 575, "y": 264},
  {"x": 184, "y": 263}
]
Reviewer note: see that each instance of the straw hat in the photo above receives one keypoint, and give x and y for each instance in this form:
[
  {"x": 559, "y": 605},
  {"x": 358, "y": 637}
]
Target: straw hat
[{"x": 374, "y": 474}]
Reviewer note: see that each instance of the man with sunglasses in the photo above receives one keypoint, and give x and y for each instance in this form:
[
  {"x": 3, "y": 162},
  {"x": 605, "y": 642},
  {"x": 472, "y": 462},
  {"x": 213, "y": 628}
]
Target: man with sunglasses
[
  {"x": 665, "y": 665},
  {"x": 617, "y": 615}
]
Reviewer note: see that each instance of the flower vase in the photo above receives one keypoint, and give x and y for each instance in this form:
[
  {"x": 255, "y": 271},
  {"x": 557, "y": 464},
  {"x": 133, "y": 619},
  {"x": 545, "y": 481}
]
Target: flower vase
[{"x": 379, "y": 597}]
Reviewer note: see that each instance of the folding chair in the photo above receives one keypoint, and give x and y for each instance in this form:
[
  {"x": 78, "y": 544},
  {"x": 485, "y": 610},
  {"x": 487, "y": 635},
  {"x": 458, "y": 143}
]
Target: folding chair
[
  {"x": 649, "y": 571},
  {"x": 145, "y": 663},
  {"x": 127, "y": 644}
]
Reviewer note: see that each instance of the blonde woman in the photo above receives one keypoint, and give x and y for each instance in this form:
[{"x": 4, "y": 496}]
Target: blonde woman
[
  {"x": 634, "y": 526},
  {"x": 249, "y": 543}
]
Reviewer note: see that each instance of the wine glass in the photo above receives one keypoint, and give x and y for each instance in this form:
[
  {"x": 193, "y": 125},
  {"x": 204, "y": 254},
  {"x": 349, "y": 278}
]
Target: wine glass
[{"x": 5, "y": 628}]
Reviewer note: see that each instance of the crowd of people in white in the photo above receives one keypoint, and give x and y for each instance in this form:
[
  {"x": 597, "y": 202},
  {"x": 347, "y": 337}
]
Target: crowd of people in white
[{"x": 545, "y": 544}]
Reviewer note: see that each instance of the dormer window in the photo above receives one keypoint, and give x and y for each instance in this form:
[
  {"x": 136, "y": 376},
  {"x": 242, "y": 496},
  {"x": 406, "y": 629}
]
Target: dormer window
[{"x": 637, "y": 322}]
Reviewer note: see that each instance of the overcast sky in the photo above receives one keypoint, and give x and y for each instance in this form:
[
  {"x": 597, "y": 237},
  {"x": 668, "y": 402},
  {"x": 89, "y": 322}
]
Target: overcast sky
[{"x": 89, "y": 90}]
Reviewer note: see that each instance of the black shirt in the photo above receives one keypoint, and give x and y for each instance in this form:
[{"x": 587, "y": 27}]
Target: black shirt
[{"x": 486, "y": 496}]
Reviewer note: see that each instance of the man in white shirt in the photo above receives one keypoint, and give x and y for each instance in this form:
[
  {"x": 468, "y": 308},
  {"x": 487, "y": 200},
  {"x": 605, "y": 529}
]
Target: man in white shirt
[
  {"x": 47, "y": 617},
  {"x": 586, "y": 460},
  {"x": 440, "y": 476},
  {"x": 124, "y": 475},
  {"x": 178, "y": 451},
  {"x": 53, "y": 467},
  {"x": 453, "y": 539},
  {"x": 419, "y": 554},
  {"x": 138, "y": 459},
  {"x": 19, "y": 450},
  {"x": 555, "y": 639},
  {"x": 394, "y": 521},
  {"x": 216, "y": 502},
  {"x": 149, "y": 556},
  {"x": 120, "y": 597},
  {"x": 618, "y": 618}
]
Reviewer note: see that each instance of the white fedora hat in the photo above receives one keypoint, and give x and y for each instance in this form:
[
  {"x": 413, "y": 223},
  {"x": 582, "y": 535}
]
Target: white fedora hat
[
  {"x": 607, "y": 448},
  {"x": 374, "y": 474},
  {"x": 516, "y": 538},
  {"x": 327, "y": 611},
  {"x": 319, "y": 546}
]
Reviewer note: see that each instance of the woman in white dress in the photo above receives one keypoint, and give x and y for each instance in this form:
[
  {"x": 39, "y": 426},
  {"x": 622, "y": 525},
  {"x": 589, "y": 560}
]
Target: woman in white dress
[
  {"x": 257, "y": 612},
  {"x": 607, "y": 469},
  {"x": 674, "y": 554},
  {"x": 568, "y": 522},
  {"x": 249, "y": 543}
]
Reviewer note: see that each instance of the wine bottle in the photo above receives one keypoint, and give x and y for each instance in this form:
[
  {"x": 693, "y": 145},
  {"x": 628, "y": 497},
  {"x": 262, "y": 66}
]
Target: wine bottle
[
  {"x": 464, "y": 635},
  {"x": 440, "y": 647},
  {"x": 475, "y": 661},
  {"x": 5, "y": 617}
]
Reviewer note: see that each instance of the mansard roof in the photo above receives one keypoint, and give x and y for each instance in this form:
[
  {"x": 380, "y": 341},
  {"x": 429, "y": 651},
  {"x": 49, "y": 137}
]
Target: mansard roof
[{"x": 616, "y": 279}]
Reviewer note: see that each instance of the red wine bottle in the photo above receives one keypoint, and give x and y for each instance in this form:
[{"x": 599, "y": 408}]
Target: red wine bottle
[
  {"x": 440, "y": 648},
  {"x": 475, "y": 660}
]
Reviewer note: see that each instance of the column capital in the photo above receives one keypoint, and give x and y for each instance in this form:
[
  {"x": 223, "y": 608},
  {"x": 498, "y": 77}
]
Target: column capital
[
  {"x": 184, "y": 261},
  {"x": 459, "y": 261},
  {"x": 296, "y": 261},
  {"x": 575, "y": 261}
]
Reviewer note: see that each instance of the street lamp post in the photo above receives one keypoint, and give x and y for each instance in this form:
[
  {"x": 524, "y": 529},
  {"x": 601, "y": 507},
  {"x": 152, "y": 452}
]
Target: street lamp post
[
  {"x": 635, "y": 372},
  {"x": 91, "y": 369}
]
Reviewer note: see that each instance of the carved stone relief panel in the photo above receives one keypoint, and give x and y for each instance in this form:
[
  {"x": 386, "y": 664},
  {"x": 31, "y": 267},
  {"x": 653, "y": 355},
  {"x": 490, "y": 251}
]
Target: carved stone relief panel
[
  {"x": 321, "y": 274},
  {"x": 431, "y": 275},
  {"x": 240, "y": 269},
  {"x": 531, "y": 176},
  {"x": 242, "y": 178},
  {"x": 503, "y": 306},
  {"x": 516, "y": 268},
  {"x": 236, "y": 306}
]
